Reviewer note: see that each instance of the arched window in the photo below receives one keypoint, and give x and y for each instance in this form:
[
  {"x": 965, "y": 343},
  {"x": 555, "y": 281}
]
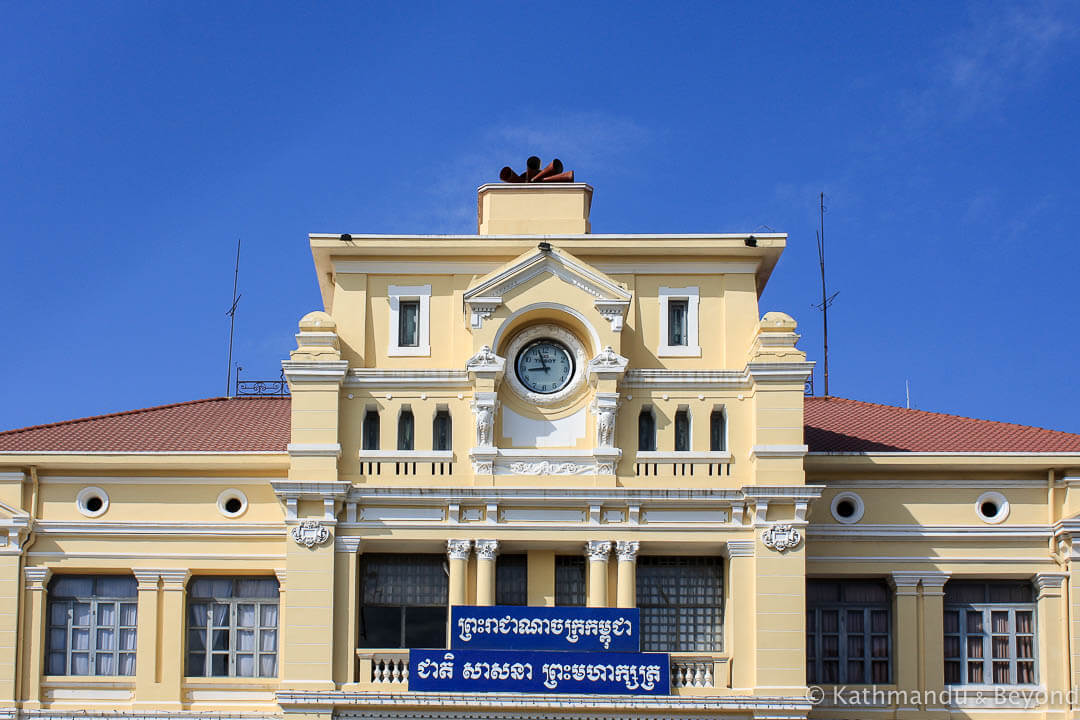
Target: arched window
[
  {"x": 370, "y": 433},
  {"x": 717, "y": 431},
  {"x": 441, "y": 431},
  {"x": 405, "y": 428},
  {"x": 682, "y": 431},
  {"x": 646, "y": 427}
]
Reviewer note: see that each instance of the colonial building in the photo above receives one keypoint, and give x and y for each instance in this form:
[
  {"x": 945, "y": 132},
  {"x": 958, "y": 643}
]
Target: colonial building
[{"x": 539, "y": 416}]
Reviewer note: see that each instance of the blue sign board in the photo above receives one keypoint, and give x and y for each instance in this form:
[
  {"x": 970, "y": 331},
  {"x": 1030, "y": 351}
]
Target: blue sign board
[
  {"x": 524, "y": 671},
  {"x": 516, "y": 627}
]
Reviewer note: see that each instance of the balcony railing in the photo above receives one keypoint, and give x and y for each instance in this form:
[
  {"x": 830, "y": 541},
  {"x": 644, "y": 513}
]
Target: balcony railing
[{"x": 390, "y": 669}]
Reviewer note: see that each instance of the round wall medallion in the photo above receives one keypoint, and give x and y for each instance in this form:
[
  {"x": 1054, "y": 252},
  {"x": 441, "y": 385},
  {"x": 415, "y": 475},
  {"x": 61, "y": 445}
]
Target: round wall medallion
[{"x": 548, "y": 364}]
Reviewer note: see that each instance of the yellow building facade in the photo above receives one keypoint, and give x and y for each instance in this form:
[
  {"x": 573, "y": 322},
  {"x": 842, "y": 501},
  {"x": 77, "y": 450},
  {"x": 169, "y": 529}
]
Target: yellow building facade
[{"x": 537, "y": 415}]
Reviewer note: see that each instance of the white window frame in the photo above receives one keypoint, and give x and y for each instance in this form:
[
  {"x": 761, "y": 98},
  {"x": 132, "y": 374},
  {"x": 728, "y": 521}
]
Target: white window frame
[
  {"x": 691, "y": 348},
  {"x": 421, "y": 293}
]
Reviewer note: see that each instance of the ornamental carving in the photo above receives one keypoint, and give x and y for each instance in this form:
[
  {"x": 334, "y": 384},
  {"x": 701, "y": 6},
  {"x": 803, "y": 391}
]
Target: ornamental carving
[
  {"x": 487, "y": 549},
  {"x": 598, "y": 550},
  {"x": 485, "y": 358},
  {"x": 546, "y": 467},
  {"x": 458, "y": 549},
  {"x": 310, "y": 533},
  {"x": 781, "y": 537},
  {"x": 627, "y": 550}
]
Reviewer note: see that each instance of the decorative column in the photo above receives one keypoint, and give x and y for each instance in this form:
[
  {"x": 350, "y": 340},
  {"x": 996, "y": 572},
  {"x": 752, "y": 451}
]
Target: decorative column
[
  {"x": 147, "y": 691},
  {"x": 486, "y": 552},
  {"x": 457, "y": 551},
  {"x": 1051, "y": 630},
  {"x": 933, "y": 639},
  {"x": 597, "y": 551},
  {"x": 170, "y": 630},
  {"x": 346, "y": 606},
  {"x": 740, "y": 617},
  {"x": 906, "y": 643},
  {"x": 626, "y": 590},
  {"x": 37, "y": 578}
]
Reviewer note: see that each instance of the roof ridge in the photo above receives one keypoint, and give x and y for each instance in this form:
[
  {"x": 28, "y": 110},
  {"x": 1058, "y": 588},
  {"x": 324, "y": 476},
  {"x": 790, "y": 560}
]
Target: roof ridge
[
  {"x": 943, "y": 414},
  {"x": 89, "y": 418}
]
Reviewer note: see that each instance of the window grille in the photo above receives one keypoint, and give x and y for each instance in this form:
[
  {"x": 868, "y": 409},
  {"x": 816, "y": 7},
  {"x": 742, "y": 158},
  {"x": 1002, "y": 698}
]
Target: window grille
[
  {"x": 682, "y": 431},
  {"x": 409, "y": 323},
  {"x": 370, "y": 431},
  {"x": 92, "y": 623},
  {"x": 848, "y": 632},
  {"x": 646, "y": 430},
  {"x": 441, "y": 431},
  {"x": 232, "y": 627},
  {"x": 989, "y": 633},
  {"x": 404, "y": 601},
  {"x": 569, "y": 580},
  {"x": 681, "y": 603},
  {"x": 717, "y": 431},
  {"x": 677, "y": 312},
  {"x": 405, "y": 430},
  {"x": 511, "y": 580}
]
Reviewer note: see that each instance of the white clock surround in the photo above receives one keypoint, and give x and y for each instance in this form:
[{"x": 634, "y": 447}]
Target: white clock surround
[{"x": 542, "y": 332}]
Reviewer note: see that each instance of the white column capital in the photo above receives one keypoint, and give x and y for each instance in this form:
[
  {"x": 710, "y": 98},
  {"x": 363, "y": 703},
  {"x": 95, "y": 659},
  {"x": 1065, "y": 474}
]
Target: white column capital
[
  {"x": 904, "y": 583},
  {"x": 1049, "y": 583},
  {"x": 36, "y": 576},
  {"x": 458, "y": 549},
  {"x": 174, "y": 579},
  {"x": 598, "y": 550},
  {"x": 146, "y": 579},
  {"x": 486, "y": 549},
  {"x": 740, "y": 548},
  {"x": 627, "y": 550}
]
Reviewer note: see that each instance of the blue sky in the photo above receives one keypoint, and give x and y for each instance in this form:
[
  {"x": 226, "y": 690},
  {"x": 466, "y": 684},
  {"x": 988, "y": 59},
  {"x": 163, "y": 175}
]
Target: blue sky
[{"x": 138, "y": 140}]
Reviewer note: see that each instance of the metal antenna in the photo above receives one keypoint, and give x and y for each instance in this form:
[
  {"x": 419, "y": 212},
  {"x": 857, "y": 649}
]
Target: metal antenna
[
  {"x": 826, "y": 299},
  {"x": 907, "y": 393},
  {"x": 232, "y": 320}
]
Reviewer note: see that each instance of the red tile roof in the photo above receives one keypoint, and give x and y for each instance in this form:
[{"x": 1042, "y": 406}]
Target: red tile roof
[
  {"x": 251, "y": 424},
  {"x": 840, "y": 425},
  {"x": 262, "y": 425}
]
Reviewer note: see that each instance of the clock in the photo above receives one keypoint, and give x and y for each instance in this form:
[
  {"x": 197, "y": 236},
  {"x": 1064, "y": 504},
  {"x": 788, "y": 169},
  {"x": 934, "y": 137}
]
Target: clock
[{"x": 544, "y": 366}]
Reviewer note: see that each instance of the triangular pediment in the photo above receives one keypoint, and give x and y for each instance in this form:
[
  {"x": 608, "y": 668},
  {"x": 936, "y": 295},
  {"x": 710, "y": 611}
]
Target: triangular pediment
[{"x": 610, "y": 298}]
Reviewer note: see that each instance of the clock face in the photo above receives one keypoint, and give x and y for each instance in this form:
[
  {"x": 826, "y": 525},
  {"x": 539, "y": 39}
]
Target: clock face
[{"x": 545, "y": 366}]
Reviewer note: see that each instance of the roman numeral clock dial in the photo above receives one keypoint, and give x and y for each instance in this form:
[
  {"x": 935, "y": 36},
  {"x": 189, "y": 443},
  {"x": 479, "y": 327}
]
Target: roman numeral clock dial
[{"x": 545, "y": 366}]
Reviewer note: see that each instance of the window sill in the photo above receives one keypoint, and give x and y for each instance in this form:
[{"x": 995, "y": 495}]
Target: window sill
[
  {"x": 418, "y": 351},
  {"x": 407, "y": 455},
  {"x": 230, "y": 681},
  {"x": 691, "y": 456},
  {"x": 678, "y": 351},
  {"x": 117, "y": 681}
]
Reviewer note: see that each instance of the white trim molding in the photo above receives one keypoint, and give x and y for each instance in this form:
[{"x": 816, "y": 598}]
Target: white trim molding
[
  {"x": 421, "y": 294},
  {"x": 312, "y": 371},
  {"x": 314, "y": 450},
  {"x": 692, "y": 298},
  {"x": 778, "y": 451},
  {"x": 610, "y": 299},
  {"x": 435, "y": 456},
  {"x": 694, "y": 457}
]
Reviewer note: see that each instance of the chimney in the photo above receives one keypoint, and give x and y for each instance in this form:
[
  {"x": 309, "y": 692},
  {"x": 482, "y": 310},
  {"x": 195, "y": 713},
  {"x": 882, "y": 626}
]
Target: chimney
[{"x": 538, "y": 202}]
